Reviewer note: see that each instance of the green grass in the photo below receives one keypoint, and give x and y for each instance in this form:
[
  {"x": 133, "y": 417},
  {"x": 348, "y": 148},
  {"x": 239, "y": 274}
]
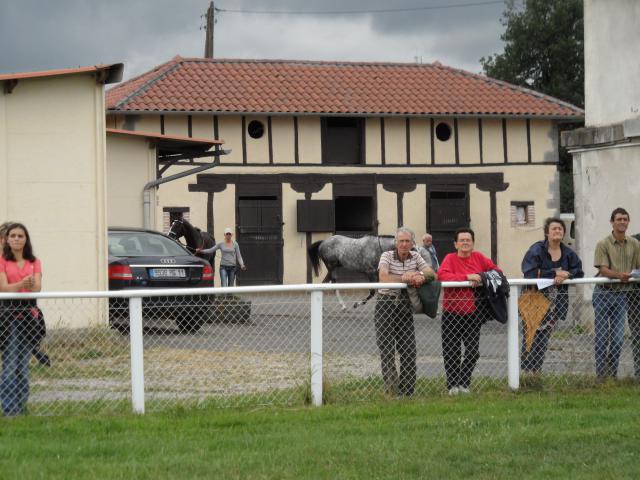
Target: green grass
[{"x": 592, "y": 433}]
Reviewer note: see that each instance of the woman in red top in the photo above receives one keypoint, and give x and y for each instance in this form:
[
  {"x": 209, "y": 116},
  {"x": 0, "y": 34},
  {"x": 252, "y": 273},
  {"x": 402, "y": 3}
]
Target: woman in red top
[
  {"x": 20, "y": 271},
  {"x": 460, "y": 321}
]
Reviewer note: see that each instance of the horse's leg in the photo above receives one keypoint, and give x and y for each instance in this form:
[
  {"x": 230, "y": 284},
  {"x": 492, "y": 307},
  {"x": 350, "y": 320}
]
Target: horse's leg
[
  {"x": 372, "y": 292},
  {"x": 333, "y": 280}
]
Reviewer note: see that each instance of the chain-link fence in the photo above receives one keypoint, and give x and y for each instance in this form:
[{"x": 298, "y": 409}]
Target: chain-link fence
[{"x": 305, "y": 344}]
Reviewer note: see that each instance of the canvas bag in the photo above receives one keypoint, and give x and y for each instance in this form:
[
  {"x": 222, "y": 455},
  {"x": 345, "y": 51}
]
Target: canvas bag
[{"x": 533, "y": 305}]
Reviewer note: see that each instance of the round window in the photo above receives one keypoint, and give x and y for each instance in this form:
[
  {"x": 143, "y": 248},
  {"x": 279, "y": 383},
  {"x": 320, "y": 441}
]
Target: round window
[
  {"x": 255, "y": 129},
  {"x": 443, "y": 132}
]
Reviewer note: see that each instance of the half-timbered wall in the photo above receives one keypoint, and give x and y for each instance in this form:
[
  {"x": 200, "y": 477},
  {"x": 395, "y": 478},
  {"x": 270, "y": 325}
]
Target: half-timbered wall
[{"x": 521, "y": 152}]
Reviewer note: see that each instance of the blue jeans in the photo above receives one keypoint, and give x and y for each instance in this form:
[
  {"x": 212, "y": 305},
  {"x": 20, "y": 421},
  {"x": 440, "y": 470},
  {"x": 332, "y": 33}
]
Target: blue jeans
[
  {"x": 610, "y": 308},
  {"x": 14, "y": 386},
  {"x": 227, "y": 276}
]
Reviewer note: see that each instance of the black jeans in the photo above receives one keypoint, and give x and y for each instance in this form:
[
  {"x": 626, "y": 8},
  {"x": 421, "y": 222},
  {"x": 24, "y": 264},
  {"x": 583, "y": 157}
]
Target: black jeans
[
  {"x": 458, "y": 330},
  {"x": 395, "y": 332},
  {"x": 533, "y": 359}
]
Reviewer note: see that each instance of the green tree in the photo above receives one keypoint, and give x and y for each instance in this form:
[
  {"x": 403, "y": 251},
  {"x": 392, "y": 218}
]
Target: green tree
[
  {"x": 544, "y": 48},
  {"x": 544, "y": 51}
]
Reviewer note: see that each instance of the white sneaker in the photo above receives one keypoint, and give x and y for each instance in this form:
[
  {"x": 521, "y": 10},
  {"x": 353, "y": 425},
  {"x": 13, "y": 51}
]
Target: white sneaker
[
  {"x": 454, "y": 391},
  {"x": 464, "y": 390}
]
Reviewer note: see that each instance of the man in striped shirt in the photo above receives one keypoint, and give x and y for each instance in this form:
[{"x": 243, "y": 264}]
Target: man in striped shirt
[{"x": 393, "y": 314}]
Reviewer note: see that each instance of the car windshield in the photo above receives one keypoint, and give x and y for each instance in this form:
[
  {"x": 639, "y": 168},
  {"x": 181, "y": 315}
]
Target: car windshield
[{"x": 143, "y": 244}]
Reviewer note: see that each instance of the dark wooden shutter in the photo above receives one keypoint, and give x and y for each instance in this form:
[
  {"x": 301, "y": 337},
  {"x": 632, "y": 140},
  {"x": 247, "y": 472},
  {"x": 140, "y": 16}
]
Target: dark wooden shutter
[{"x": 316, "y": 216}]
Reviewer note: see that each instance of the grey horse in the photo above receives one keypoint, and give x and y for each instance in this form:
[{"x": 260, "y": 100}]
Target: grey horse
[{"x": 358, "y": 254}]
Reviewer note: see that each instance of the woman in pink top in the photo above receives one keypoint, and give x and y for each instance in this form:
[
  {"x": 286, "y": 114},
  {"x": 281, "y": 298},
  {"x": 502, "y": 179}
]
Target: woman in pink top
[
  {"x": 20, "y": 271},
  {"x": 460, "y": 321}
]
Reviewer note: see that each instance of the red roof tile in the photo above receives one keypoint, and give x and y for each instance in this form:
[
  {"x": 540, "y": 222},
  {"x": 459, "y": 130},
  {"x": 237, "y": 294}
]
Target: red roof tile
[{"x": 281, "y": 86}]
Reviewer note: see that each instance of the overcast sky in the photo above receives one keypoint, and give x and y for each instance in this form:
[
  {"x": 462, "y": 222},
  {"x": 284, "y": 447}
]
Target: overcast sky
[{"x": 49, "y": 34}]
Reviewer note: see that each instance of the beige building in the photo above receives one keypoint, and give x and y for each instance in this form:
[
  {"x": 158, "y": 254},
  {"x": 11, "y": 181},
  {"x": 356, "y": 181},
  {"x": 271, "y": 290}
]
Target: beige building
[
  {"x": 52, "y": 169},
  {"x": 319, "y": 148}
]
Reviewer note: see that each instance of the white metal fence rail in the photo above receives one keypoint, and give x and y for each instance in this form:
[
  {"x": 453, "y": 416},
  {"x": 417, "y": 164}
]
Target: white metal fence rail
[{"x": 298, "y": 343}]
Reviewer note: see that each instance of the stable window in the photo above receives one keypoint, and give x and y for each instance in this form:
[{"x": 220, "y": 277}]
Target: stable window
[
  {"x": 523, "y": 214},
  {"x": 255, "y": 129},
  {"x": 171, "y": 214},
  {"x": 443, "y": 131},
  {"x": 342, "y": 140},
  {"x": 354, "y": 215}
]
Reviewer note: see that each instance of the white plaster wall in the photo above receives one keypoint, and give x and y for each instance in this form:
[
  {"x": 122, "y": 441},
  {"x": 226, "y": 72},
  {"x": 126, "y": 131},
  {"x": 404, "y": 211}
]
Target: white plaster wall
[
  {"x": 224, "y": 215},
  {"x": 294, "y": 249},
  {"x": 414, "y": 210},
  {"x": 176, "y": 194},
  {"x": 420, "y": 141},
  {"x": 387, "y": 211},
  {"x": 611, "y": 49},
  {"x": 395, "y": 135},
  {"x": 257, "y": 148},
  {"x": 130, "y": 165},
  {"x": 53, "y": 179},
  {"x": 372, "y": 141},
  {"x": 445, "y": 151},
  {"x": 604, "y": 180},
  {"x": 309, "y": 140},
  {"x": 283, "y": 140}
]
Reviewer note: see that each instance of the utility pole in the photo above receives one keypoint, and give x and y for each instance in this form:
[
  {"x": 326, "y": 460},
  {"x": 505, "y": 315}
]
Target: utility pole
[{"x": 208, "y": 45}]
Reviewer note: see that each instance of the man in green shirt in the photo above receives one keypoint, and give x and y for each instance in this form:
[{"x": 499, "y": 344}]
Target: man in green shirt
[{"x": 615, "y": 257}]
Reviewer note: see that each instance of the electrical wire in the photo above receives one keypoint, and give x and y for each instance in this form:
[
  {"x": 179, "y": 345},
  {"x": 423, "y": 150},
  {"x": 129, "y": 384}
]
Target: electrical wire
[{"x": 358, "y": 12}]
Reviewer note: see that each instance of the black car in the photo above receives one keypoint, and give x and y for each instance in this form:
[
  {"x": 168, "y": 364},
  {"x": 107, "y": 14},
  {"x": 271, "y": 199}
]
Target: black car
[{"x": 140, "y": 258}]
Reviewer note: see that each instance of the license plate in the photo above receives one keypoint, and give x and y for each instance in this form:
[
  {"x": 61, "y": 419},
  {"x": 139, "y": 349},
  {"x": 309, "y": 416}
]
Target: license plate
[{"x": 168, "y": 273}]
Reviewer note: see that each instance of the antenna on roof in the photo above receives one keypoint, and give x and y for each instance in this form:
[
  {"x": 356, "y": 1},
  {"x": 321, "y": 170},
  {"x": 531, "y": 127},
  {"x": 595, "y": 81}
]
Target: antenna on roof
[{"x": 208, "y": 45}]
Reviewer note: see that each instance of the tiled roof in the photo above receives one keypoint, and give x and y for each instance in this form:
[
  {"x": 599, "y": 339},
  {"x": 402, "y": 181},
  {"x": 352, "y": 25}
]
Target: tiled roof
[
  {"x": 281, "y": 86},
  {"x": 113, "y": 73}
]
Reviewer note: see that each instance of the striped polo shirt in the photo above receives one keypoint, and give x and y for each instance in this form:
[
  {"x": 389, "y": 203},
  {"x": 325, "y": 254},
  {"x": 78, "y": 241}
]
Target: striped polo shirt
[
  {"x": 390, "y": 261},
  {"x": 618, "y": 256}
]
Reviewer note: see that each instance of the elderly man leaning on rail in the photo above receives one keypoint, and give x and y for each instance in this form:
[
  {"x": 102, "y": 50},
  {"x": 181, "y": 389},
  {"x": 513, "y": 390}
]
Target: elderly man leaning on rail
[
  {"x": 393, "y": 317},
  {"x": 616, "y": 256}
]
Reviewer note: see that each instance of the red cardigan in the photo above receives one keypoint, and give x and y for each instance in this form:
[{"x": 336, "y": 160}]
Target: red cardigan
[{"x": 461, "y": 300}]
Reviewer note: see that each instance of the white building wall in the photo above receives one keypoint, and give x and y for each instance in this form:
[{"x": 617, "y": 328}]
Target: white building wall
[
  {"x": 53, "y": 179},
  {"x": 612, "y": 69}
]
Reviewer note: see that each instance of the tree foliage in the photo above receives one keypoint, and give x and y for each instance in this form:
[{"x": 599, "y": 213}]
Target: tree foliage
[
  {"x": 544, "y": 48},
  {"x": 544, "y": 51}
]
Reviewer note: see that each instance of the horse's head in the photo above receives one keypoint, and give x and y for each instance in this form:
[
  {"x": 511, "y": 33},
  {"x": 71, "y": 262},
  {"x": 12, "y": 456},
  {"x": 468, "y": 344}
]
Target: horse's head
[{"x": 177, "y": 229}]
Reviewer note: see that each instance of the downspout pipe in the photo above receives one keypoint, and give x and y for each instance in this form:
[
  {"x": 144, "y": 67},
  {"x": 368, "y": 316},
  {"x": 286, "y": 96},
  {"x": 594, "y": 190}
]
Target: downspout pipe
[{"x": 146, "y": 191}]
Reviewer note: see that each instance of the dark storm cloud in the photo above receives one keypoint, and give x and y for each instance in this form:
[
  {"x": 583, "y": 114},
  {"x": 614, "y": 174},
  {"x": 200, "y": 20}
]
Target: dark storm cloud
[{"x": 41, "y": 34}]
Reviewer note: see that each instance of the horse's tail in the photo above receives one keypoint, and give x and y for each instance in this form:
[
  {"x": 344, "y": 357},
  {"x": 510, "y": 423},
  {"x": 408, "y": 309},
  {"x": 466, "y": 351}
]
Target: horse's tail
[{"x": 314, "y": 256}]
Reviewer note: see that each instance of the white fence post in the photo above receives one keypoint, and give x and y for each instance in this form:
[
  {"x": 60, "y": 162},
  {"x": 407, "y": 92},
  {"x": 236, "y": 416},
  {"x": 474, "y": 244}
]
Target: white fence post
[
  {"x": 137, "y": 354},
  {"x": 513, "y": 344},
  {"x": 316, "y": 348}
]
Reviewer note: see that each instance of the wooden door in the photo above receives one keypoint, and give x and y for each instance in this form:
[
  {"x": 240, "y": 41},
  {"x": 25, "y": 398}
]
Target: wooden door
[
  {"x": 448, "y": 210},
  {"x": 259, "y": 220}
]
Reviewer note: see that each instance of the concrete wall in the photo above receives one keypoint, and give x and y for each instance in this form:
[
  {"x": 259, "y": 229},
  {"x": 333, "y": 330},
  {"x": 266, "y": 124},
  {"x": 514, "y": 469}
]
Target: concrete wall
[
  {"x": 611, "y": 52},
  {"x": 602, "y": 182},
  {"x": 53, "y": 179}
]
